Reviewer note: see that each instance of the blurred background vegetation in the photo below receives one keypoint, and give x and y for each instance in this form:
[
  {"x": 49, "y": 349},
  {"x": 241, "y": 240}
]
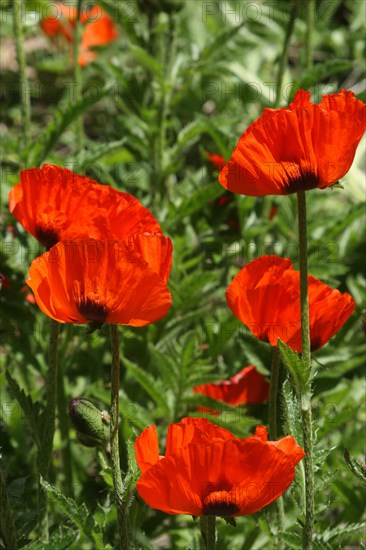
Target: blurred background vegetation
[{"x": 184, "y": 79}]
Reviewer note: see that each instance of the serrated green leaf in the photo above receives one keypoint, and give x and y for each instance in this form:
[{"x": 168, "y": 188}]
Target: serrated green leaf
[
  {"x": 63, "y": 117},
  {"x": 152, "y": 386},
  {"x": 358, "y": 470},
  {"x": 166, "y": 366},
  {"x": 339, "y": 532},
  {"x": 31, "y": 410},
  {"x": 291, "y": 413},
  {"x": 294, "y": 365},
  {"x": 77, "y": 514},
  {"x": 59, "y": 541},
  {"x": 88, "y": 156}
]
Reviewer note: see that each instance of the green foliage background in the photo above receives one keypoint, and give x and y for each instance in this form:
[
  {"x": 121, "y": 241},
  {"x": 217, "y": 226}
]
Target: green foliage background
[{"x": 182, "y": 80}]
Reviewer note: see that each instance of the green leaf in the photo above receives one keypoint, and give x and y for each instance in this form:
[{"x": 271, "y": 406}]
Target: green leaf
[
  {"x": 291, "y": 413},
  {"x": 358, "y": 469},
  {"x": 88, "y": 156},
  {"x": 146, "y": 60},
  {"x": 194, "y": 202},
  {"x": 340, "y": 531},
  {"x": 295, "y": 366},
  {"x": 219, "y": 42},
  {"x": 37, "y": 152},
  {"x": 153, "y": 387},
  {"x": 59, "y": 541},
  {"x": 31, "y": 410},
  {"x": 77, "y": 514}
]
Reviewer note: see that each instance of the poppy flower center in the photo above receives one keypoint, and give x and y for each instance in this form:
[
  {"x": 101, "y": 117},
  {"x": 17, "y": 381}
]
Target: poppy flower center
[
  {"x": 92, "y": 310},
  {"x": 47, "y": 236},
  {"x": 220, "y": 503},
  {"x": 304, "y": 182}
]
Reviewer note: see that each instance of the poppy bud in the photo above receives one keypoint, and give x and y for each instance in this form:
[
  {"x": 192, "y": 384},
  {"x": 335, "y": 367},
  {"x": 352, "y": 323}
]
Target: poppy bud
[{"x": 89, "y": 422}]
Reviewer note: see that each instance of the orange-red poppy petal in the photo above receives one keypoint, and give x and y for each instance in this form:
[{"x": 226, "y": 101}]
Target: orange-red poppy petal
[
  {"x": 53, "y": 204},
  {"x": 147, "y": 448},
  {"x": 265, "y": 296},
  {"x": 193, "y": 430},
  {"x": 226, "y": 477},
  {"x": 298, "y": 148},
  {"x": 247, "y": 386},
  {"x": 98, "y": 281},
  {"x": 156, "y": 250}
]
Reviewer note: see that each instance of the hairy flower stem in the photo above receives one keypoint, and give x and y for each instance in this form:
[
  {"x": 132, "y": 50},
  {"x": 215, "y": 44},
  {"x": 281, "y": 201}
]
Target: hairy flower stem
[
  {"x": 7, "y": 525},
  {"x": 305, "y": 397},
  {"x": 49, "y": 422},
  {"x": 77, "y": 77},
  {"x": 208, "y": 531},
  {"x": 123, "y": 526},
  {"x": 24, "y": 88},
  {"x": 272, "y": 424},
  {"x": 284, "y": 55}
]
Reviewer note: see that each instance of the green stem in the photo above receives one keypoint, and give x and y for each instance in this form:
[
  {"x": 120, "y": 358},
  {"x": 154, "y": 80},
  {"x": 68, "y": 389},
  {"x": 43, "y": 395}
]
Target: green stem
[
  {"x": 284, "y": 55},
  {"x": 309, "y": 34},
  {"x": 64, "y": 425},
  {"x": 123, "y": 526},
  {"x": 49, "y": 422},
  {"x": 208, "y": 531},
  {"x": 273, "y": 394},
  {"x": 272, "y": 424},
  {"x": 305, "y": 397},
  {"x": 24, "y": 88},
  {"x": 304, "y": 298},
  {"x": 77, "y": 77},
  {"x": 7, "y": 525}
]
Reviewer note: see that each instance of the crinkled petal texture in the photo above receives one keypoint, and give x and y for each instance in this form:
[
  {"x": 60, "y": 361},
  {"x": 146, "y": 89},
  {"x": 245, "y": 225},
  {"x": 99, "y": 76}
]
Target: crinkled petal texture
[
  {"x": 247, "y": 386},
  {"x": 219, "y": 475},
  {"x": 54, "y": 204},
  {"x": 98, "y": 281},
  {"x": 297, "y": 148},
  {"x": 265, "y": 296}
]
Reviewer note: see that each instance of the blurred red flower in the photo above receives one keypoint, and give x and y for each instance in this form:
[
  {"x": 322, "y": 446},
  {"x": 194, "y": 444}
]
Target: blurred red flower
[
  {"x": 265, "y": 296},
  {"x": 115, "y": 282},
  {"x": 247, "y": 386},
  {"x": 217, "y": 160},
  {"x": 297, "y": 148},
  {"x": 54, "y": 204},
  {"x": 98, "y": 28},
  {"x": 206, "y": 470}
]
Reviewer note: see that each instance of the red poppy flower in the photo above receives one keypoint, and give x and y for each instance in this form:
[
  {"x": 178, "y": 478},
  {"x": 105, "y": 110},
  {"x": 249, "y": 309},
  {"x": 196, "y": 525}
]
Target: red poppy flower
[
  {"x": 297, "y": 148},
  {"x": 217, "y": 160},
  {"x": 54, "y": 204},
  {"x": 104, "y": 281},
  {"x": 98, "y": 28},
  {"x": 247, "y": 386},
  {"x": 99, "y": 31},
  {"x": 206, "y": 470},
  {"x": 265, "y": 296}
]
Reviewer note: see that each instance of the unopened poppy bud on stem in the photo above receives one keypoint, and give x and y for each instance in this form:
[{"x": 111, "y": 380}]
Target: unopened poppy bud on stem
[{"x": 89, "y": 422}]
